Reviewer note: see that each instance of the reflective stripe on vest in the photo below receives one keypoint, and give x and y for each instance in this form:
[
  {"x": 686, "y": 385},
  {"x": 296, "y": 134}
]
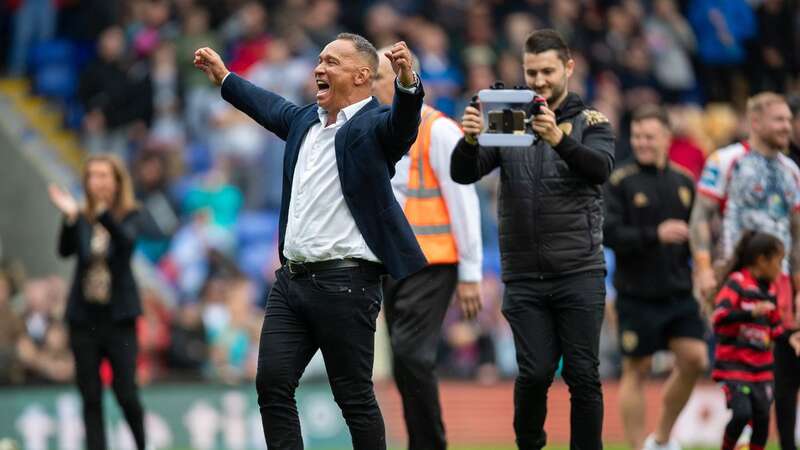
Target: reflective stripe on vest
[{"x": 425, "y": 207}]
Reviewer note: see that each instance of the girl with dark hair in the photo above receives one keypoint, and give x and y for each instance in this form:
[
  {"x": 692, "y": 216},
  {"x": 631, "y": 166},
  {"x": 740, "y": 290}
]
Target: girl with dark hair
[
  {"x": 103, "y": 302},
  {"x": 746, "y": 322}
]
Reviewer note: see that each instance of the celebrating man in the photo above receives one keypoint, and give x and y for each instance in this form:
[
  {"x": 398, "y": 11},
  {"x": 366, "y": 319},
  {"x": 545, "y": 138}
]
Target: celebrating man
[{"x": 340, "y": 229}]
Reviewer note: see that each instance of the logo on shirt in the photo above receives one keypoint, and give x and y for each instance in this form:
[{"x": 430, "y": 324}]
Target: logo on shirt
[
  {"x": 640, "y": 200},
  {"x": 594, "y": 117},
  {"x": 685, "y": 195},
  {"x": 630, "y": 340},
  {"x": 710, "y": 176}
]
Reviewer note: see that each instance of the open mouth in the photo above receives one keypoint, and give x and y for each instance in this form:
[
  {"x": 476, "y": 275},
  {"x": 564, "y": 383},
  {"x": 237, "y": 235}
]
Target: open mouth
[{"x": 322, "y": 88}]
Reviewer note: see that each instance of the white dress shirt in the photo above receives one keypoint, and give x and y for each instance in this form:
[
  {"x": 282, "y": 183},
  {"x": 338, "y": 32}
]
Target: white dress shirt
[
  {"x": 320, "y": 226},
  {"x": 462, "y": 200}
]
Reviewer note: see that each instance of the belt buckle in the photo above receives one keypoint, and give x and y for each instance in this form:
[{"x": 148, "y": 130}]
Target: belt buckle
[{"x": 294, "y": 268}]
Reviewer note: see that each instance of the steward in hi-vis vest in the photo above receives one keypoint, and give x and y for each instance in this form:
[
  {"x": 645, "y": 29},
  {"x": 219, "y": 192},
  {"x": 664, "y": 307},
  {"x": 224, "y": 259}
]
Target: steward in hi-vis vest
[{"x": 445, "y": 217}]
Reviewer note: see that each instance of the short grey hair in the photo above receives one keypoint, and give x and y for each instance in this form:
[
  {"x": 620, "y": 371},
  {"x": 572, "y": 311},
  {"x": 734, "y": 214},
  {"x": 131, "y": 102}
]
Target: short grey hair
[{"x": 364, "y": 48}]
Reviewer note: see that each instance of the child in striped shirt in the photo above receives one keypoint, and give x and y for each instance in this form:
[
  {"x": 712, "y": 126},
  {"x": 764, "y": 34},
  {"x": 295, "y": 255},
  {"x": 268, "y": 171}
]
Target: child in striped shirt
[{"x": 746, "y": 321}]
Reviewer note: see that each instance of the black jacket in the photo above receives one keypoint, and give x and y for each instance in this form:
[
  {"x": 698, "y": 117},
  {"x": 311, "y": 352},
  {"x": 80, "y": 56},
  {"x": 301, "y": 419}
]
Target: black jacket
[
  {"x": 550, "y": 208},
  {"x": 75, "y": 240},
  {"x": 638, "y": 198}
]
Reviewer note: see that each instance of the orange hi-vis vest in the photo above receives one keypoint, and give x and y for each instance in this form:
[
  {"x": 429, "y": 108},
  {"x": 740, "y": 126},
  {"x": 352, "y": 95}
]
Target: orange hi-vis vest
[{"x": 425, "y": 207}]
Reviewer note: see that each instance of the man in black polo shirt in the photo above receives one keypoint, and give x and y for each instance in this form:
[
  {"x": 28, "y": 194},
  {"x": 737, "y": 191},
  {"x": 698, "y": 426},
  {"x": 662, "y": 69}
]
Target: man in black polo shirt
[{"x": 648, "y": 205}]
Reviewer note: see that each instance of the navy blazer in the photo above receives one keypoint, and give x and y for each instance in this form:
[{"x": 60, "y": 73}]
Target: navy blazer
[{"x": 367, "y": 148}]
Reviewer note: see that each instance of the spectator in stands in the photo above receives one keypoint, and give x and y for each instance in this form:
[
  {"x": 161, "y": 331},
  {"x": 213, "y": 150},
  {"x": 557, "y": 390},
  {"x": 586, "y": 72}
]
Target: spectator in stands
[
  {"x": 440, "y": 74},
  {"x": 34, "y": 23},
  {"x": 188, "y": 351},
  {"x": 151, "y": 181},
  {"x": 671, "y": 41},
  {"x": 12, "y": 330},
  {"x": 773, "y": 59},
  {"x": 103, "y": 302},
  {"x": 683, "y": 150},
  {"x": 52, "y": 361},
  {"x": 167, "y": 126},
  {"x": 722, "y": 28},
  {"x": 117, "y": 98},
  {"x": 222, "y": 199},
  {"x": 636, "y": 76},
  {"x": 229, "y": 341},
  {"x": 38, "y": 311},
  {"x": 383, "y": 24},
  {"x": 152, "y": 331},
  {"x": 197, "y": 92},
  {"x": 250, "y": 40},
  {"x": 153, "y": 29},
  {"x": 320, "y": 21}
]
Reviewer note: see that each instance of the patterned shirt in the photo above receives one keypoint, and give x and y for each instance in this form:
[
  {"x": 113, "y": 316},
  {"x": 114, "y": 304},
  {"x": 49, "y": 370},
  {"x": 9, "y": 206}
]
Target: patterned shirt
[{"x": 755, "y": 192}]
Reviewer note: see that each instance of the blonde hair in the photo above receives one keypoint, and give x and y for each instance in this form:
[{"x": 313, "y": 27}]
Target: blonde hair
[
  {"x": 720, "y": 124},
  {"x": 124, "y": 198},
  {"x": 758, "y": 103}
]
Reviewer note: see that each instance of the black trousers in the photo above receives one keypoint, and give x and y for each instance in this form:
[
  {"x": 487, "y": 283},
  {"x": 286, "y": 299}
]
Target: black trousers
[
  {"x": 415, "y": 308},
  {"x": 750, "y": 403},
  {"x": 333, "y": 311},
  {"x": 552, "y": 318},
  {"x": 91, "y": 343},
  {"x": 787, "y": 384}
]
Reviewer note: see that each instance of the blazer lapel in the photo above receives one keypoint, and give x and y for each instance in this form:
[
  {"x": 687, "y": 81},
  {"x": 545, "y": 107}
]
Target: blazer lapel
[{"x": 341, "y": 137}]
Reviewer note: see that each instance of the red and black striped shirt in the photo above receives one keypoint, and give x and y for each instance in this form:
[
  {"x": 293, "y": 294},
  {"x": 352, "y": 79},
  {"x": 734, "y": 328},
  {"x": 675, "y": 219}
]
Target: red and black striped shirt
[{"x": 744, "y": 342}]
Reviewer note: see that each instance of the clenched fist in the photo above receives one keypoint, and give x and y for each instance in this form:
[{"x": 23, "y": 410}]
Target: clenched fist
[
  {"x": 400, "y": 57},
  {"x": 211, "y": 63}
]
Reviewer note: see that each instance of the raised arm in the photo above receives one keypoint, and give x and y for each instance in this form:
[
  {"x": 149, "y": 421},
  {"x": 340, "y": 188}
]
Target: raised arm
[
  {"x": 399, "y": 129},
  {"x": 66, "y": 204},
  {"x": 270, "y": 110},
  {"x": 123, "y": 232}
]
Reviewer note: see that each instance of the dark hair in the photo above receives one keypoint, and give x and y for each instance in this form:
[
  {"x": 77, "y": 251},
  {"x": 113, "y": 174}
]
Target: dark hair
[
  {"x": 364, "y": 47},
  {"x": 752, "y": 245},
  {"x": 651, "y": 111},
  {"x": 541, "y": 41}
]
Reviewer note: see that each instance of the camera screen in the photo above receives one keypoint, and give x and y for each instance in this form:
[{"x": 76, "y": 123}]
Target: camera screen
[{"x": 507, "y": 121}]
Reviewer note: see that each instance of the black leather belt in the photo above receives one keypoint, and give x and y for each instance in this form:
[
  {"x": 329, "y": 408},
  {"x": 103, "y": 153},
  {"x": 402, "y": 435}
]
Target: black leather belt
[{"x": 299, "y": 268}]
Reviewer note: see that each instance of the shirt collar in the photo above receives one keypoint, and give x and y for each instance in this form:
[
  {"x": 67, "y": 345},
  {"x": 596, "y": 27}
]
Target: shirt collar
[{"x": 348, "y": 111}]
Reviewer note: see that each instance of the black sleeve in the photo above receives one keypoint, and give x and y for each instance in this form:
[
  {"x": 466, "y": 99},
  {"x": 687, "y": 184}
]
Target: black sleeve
[
  {"x": 68, "y": 239},
  {"x": 123, "y": 233},
  {"x": 621, "y": 237},
  {"x": 469, "y": 163},
  {"x": 593, "y": 157}
]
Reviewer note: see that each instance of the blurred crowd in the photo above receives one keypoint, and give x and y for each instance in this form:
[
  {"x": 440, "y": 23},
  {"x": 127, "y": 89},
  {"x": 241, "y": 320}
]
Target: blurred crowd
[{"x": 121, "y": 73}]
